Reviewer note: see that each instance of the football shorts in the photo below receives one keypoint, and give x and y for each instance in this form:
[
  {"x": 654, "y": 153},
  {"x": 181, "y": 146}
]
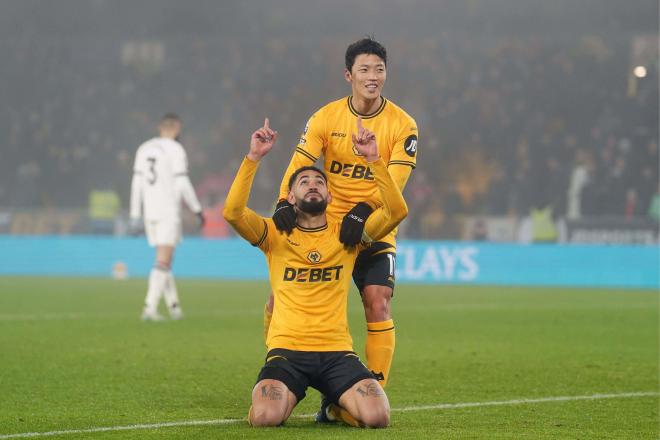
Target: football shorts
[
  {"x": 330, "y": 372},
  {"x": 163, "y": 232},
  {"x": 375, "y": 265}
]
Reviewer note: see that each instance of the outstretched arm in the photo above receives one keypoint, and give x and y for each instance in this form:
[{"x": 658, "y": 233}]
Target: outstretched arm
[
  {"x": 245, "y": 221},
  {"x": 403, "y": 158},
  {"x": 394, "y": 208},
  {"x": 307, "y": 152}
]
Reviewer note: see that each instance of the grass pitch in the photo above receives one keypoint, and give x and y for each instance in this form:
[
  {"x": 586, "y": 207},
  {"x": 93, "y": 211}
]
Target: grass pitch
[{"x": 75, "y": 357}]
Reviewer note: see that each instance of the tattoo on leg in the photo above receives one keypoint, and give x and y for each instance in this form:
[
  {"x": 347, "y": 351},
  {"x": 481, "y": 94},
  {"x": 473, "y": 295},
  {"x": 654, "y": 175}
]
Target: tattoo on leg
[
  {"x": 272, "y": 392},
  {"x": 372, "y": 390}
]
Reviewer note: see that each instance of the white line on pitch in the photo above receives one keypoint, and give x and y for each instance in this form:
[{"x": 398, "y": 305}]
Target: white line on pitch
[{"x": 404, "y": 409}]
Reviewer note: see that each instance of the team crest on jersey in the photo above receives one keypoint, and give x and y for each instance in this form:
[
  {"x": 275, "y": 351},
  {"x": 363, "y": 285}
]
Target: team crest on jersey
[
  {"x": 314, "y": 256},
  {"x": 410, "y": 146}
]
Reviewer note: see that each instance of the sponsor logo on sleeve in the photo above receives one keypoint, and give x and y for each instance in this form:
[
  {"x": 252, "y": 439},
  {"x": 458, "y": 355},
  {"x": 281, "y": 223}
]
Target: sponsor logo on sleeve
[{"x": 410, "y": 146}]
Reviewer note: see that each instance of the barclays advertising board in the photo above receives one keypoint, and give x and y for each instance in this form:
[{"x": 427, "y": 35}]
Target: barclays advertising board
[
  {"x": 542, "y": 265},
  {"x": 435, "y": 262}
]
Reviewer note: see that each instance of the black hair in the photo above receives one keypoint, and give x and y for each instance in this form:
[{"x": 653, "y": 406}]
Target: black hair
[
  {"x": 295, "y": 174},
  {"x": 367, "y": 46}
]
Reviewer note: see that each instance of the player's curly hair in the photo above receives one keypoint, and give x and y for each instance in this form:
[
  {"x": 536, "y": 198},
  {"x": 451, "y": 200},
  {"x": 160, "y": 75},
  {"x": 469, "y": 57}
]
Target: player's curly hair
[
  {"x": 295, "y": 174},
  {"x": 368, "y": 45}
]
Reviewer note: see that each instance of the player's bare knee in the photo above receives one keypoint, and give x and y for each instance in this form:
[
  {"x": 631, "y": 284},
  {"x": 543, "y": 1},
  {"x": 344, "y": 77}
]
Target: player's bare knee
[
  {"x": 376, "y": 417},
  {"x": 377, "y": 304},
  {"x": 267, "y": 416}
]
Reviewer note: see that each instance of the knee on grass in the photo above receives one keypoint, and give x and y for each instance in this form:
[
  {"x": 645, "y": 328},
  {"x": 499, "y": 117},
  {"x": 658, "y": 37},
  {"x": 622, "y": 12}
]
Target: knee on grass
[{"x": 266, "y": 416}]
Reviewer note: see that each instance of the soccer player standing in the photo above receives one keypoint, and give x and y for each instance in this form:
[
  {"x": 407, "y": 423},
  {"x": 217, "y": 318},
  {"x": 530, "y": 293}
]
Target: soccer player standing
[
  {"x": 351, "y": 182},
  {"x": 160, "y": 182},
  {"x": 308, "y": 342}
]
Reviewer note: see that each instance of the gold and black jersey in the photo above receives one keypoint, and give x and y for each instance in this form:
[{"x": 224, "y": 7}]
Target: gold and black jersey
[
  {"x": 309, "y": 269},
  {"x": 350, "y": 179},
  {"x": 310, "y": 272}
]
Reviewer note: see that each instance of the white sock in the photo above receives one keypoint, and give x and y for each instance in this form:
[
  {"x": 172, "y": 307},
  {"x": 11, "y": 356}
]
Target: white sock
[
  {"x": 157, "y": 281},
  {"x": 171, "y": 295}
]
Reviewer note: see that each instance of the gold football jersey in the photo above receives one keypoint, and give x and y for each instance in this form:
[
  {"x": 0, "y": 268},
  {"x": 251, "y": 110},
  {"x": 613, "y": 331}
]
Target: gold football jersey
[
  {"x": 328, "y": 134},
  {"x": 310, "y": 270}
]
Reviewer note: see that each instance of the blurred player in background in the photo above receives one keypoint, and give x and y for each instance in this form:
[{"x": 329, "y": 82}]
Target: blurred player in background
[
  {"x": 160, "y": 182},
  {"x": 354, "y": 190},
  {"x": 308, "y": 342}
]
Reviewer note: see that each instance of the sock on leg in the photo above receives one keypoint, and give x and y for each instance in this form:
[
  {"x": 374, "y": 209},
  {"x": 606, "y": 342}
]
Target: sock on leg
[
  {"x": 380, "y": 349},
  {"x": 172, "y": 297},
  {"x": 157, "y": 281},
  {"x": 336, "y": 412}
]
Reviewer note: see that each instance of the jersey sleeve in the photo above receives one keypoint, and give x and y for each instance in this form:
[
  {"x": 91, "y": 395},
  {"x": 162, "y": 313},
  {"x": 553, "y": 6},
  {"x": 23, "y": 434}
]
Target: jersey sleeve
[
  {"x": 393, "y": 210},
  {"x": 179, "y": 164},
  {"x": 247, "y": 223},
  {"x": 310, "y": 147},
  {"x": 404, "y": 151},
  {"x": 404, "y": 156},
  {"x": 179, "y": 161},
  {"x": 136, "y": 187}
]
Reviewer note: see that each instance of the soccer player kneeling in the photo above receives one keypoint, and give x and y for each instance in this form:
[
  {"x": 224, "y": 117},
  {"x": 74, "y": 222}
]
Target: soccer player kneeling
[{"x": 309, "y": 343}]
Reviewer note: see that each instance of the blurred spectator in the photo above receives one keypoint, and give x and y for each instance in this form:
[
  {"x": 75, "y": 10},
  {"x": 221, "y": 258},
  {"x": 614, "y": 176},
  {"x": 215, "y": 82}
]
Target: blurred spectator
[
  {"x": 579, "y": 179},
  {"x": 654, "y": 207},
  {"x": 507, "y": 120},
  {"x": 104, "y": 208}
]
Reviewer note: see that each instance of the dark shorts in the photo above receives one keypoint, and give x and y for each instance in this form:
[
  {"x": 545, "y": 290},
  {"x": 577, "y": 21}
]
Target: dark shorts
[
  {"x": 374, "y": 268},
  {"x": 330, "y": 372}
]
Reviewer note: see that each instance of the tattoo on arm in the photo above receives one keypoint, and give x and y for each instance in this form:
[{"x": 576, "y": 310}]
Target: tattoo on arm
[
  {"x": 271, "y": 392},
  {"x": 372, "y": 390}
]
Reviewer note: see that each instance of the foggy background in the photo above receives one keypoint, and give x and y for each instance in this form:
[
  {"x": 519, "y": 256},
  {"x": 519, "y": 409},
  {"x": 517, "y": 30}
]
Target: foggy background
[{"x": 522, "y": 105}]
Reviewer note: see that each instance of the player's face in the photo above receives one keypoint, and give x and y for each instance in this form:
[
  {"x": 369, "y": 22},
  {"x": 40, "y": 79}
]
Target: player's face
[
  {"x": 171, "y": 129},
  {"x": 367, "y": 76},
  {"x": 310, "y": 192}
]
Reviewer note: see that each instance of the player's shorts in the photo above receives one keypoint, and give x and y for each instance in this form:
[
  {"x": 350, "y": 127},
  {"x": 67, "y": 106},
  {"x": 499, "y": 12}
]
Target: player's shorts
[
  {"x": 375, "y": 266},
  {"x": 163, "y": 232},
  {"x": 330, "y": 372}
]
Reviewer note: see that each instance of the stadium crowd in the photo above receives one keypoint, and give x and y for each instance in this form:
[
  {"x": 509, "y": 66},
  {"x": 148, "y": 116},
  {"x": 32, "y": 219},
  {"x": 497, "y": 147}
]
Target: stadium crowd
[{"x": 506, "y": 124}]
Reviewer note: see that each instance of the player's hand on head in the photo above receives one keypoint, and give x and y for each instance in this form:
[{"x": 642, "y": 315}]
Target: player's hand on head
[
  {"x": 352, "y": 225},
  {"x": 261, "y": 141},
  {"x": 284, "y": 216},
  {"x": 365, "y": 142}
]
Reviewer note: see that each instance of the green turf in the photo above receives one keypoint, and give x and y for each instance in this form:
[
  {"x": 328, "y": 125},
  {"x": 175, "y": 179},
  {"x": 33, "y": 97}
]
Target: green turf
[{"x": 74, "y": 355}]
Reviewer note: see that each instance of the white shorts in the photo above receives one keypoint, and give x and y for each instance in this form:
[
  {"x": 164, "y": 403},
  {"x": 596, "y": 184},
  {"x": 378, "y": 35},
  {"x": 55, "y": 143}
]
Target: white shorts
[{"x": 163, "y": 232}]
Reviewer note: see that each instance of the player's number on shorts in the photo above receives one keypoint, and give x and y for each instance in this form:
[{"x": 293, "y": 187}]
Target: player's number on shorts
[
  {"x": 151, "y": 178},
  {"x": 392, "y": 261}
]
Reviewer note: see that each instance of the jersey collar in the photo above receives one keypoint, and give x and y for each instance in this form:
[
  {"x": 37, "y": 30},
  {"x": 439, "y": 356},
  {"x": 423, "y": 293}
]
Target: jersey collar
[
  {"x": 304, "y": 229},
  {"x": 373, "y": 115}
]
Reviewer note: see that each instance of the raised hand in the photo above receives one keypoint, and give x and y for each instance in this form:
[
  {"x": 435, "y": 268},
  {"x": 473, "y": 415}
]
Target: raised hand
[
  {"x": 261, "y": 141},
  {"x": 365, "y": 142}
]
